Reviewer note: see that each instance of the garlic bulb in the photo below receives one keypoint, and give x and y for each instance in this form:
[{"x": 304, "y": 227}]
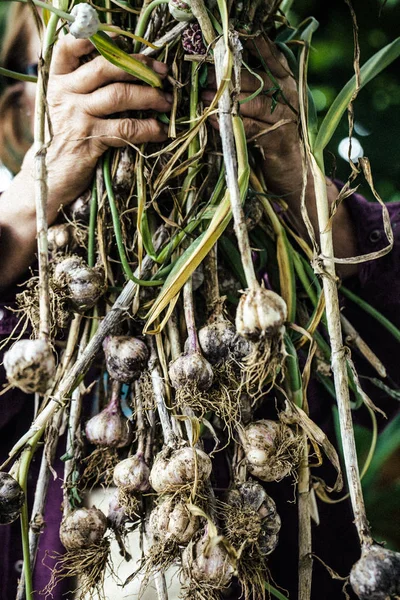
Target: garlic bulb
[
  {"x": 376, "y": 575},
  {"x": 171, "y": 519},
  {"x": 30, "y": 365},
  {"x": 191, "y": 369},
  {"x": 79, "y": 209},
  {"x": 132, "y": 474},
  {"x": 260, "y": 313},
  {"x": 180, "y": 10},
  {"x": 208, "y": 564},
  {"x": 12, "y": 498},
  {"x": 175, "y": 468},
  {"x": 82, "y": 528},
  {"x": 126, "y": 357},
  {"x": 86, "y": 22},
  {"x": 124, "y": 175},
  {"x": 271, "y": 450},
  {"x": 110, "y": 427},
  {"x": 116, "y": 516},
  {"x": 251, "y": 517},
  {"x": 219, "y": 340},
  {"x": 85, "y": 285},
  {"x": 59, "y": 237}
]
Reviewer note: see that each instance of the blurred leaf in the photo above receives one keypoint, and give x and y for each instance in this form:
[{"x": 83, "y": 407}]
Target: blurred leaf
[
  {"x": 388, "y": 442},
  {"x": 104, "y": 44},
  {"x": 372, "y": 67}
]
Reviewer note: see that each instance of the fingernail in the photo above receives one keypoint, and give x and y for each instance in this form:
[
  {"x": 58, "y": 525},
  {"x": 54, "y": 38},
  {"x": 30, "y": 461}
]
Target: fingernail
[
  {"x": 160, "y": 67},
  {"x": 169, "y": 97}
]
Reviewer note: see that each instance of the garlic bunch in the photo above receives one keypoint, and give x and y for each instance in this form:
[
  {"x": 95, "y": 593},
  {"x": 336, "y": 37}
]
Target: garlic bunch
[
  {"x": 172, "y": 520},
  {"x": 86, "y": 22},
  {"x": 180, "y": 10},
  {"x": 132, "y": 474},
  {"x": 30, "y": 365},
  {"x": 110, "y": 427},
  {"x": 191, "y": 369},
  {"x": 271, "y": 449},
  {"x": 126, "y": 357},
  {"x": 376, "y": 575},
  {"x": 84, "y": 285},
  {"x": 208, "y": 564},
  {"x": 12, "y": 498},
  {"x": 175, "y": 468},
  {"x": 260, "y": 313},
  {"x": 83, "y": 528},
  {"x": 251, "y": 517}
]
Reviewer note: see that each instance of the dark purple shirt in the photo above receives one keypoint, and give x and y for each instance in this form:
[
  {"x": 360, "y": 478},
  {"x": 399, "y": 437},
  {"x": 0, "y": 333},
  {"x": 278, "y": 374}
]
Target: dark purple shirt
[{"x": 335, "y": 541}]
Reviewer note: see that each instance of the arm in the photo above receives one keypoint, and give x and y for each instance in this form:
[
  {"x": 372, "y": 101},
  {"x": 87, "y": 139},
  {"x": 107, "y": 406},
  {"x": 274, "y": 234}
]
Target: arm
[
  {"x": 280, "y": 147},
  {"x": 80, "y": 98}
]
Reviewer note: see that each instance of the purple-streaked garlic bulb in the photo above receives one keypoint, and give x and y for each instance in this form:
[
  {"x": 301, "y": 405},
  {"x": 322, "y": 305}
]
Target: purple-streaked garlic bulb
[
  {"x": 251, "y": 518},
  {"x": 180, "y": 10},
  {"x": 208, "y": 564},
  {"x": 191, "y": 369},
  {"x": 12, "y": 498},
  {"x": 110, "y": 427},
  {"x": 260, "y": 313},
  {"x": 126, "y": 357},
  {"x": 173, "y": 469},
  {"x": 84, "y": 285},
  {"x": 219, "y": 340},
  {"x": 376, "y": 575},
  {"x": 116, "y": 516},
  {"x": 192, "y": 40},
  {"x": 271, "y": 449},
  {"x": 83, "y": 528},
  {"x": 172, "y": 520},
  {"x": 132, "y": 474},
  {"x": 30, "y": 365}
]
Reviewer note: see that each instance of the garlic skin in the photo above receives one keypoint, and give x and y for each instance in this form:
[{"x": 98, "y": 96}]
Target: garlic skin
[
  {"x": 126, "y": 357},
  {"x": 265, "y": 458},
  {"x": 12, "y": 498},
  {"x": 86, "y": 22},
  {"x": 171, "y": 519},
  {"x": 116, "y": 516},
  {"x": 79, "y": 209},
  {"x": 260, "y": 313},
  {"x": 376, "y": 575},
  {"x": 124, "y": 175},
  {"x": 180, "y": 10},
  {"x": 83, "y": 528},
  {"x": 191, "y": 369},
  {"x": 110, "y": 427},
  {"x": 208, "y": 564},
  {"x": 132, "y": 474},
  {"x": 30, "y": 366},
  {"x": 175, "y": 468}
]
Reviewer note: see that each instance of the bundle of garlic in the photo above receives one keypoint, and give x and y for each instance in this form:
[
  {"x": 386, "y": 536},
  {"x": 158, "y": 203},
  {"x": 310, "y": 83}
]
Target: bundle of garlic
[{"x": 195, "y": 328}]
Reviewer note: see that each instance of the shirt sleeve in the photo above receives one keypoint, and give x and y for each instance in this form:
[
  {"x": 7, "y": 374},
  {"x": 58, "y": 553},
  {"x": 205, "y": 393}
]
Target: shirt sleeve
[{"x": 380, "y": 278}]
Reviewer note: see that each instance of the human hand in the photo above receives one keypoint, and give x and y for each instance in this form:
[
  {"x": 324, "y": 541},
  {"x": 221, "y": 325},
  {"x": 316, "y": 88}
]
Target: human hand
[
  {"x": 270, "y": 119},
  {"x": 81, "y": 98}
]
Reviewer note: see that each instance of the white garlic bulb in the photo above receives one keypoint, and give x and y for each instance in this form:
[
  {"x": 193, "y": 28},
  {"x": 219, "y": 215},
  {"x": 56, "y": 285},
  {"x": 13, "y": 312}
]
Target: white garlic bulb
[
  {"x": 171, "y": 519},
  {"x": 82, "y": 528},
  {"x": 208, "y": 564},
  {"x": 86, "y": 22},
  {"x": 132, "y": 474},
  {"x": 126, "y": 357},
  {"x": 59, "y": 237},
  {"x": 260, "y": 313},
  {"x": 110, "y": 427},
  {"x": 84, "y": 285},
  {"x": 30, "y": 365},
  {"x": 191, "y": 369},
  {"x": 271, "y": 449},
  {"x": 180, "y": 10},
  {"x": 175, "y": 468}
]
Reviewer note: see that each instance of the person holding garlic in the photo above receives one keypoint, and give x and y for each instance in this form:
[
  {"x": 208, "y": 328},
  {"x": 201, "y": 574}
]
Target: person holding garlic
[{"x": 83, "y": 93}]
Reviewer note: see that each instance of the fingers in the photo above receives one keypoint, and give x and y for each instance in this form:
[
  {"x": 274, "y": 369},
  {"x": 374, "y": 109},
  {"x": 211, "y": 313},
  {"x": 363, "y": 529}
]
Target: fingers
[
  {"x": 119, "y": 97},
  {"x": 67, "y": 54},
  {"x": 117, "y": 132},
  {"x": 275, "y": 61},
  {"x": 99, "y": 72},
  {"x": 262, "y": 107}
]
